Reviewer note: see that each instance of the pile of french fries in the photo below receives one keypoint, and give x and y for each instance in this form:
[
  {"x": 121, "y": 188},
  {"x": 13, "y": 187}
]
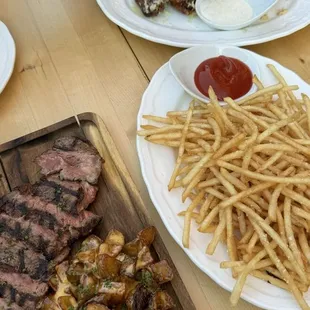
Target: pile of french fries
[{"x": 245, "y": 166}]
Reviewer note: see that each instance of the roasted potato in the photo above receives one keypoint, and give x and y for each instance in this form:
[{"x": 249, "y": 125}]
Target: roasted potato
[
  {"x": 139, "y": 298},
  {"x": 88, "y": 256},
  {"x": 115, "y": 291},
  {"x": 161, "y": 271},
  {"x": 48, "y": 304},
  {"x": 74, "y": 273},
  {"x": 161, "y": 300},
  {"x": 147, "y": 235},
  {"x": 95, "y": 306},
  {"x": 110, "y": 249},
  {"x": 144, "y": 258},
  {"x": 83, "y": 293},
  {"x": 86, "y": 289},
  {"x": 145, "y": 277},
  {"x": 67, "y": 303},
  {"x": 121, "y": 257},
  {"x": 100, "y": 299},
  {"x": 128, "y": 266},
  {"x": 61, "y": 271},
  {"x": 54, "y": 282},
  {"x": 90, "y": 243},
  {"x": 133, "y": 247},
  {"x": 115, "y": 237},
  {"x": 108, "y": 267},
  {"x": 113, "y": 244}
]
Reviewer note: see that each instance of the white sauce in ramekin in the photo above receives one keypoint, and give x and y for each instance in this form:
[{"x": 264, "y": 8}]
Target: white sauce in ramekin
[{"x": 226, "y": 12}]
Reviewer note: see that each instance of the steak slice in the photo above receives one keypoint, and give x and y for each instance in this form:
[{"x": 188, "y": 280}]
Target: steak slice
[
  {"x": 151, "y": 7},
  {"x": 73, "y": 196},
  {"x": 185, "y": 6},
  {"x": 22, "y": 259},
  {"x": 4, "y": 305},
  {"x": 21, "y": 289},
  {"x": 49, "y": 215},
  {"x": 73, "y": 159},
  {"x": 57, "y": 195},
  {"x": 38, "y": 237}
]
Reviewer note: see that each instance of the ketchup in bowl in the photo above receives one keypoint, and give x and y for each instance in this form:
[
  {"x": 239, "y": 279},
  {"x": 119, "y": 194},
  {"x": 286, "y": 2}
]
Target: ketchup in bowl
[{"x": 228, "y": 76}]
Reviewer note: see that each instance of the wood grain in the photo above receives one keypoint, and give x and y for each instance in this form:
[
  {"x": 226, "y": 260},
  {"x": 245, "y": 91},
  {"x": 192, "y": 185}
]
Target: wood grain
[
  {"x": 118, "y": 201},
  {"x": 292, "y": 51},
  {"x": 4, "y": 186}
]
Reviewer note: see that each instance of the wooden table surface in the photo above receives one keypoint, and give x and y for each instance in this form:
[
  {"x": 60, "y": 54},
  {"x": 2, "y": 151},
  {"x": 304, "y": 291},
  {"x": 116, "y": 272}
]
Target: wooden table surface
[{"x": 72, "y": 59}]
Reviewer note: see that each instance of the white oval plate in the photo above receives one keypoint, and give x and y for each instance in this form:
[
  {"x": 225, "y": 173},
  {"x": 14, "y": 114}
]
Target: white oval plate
[
  {"x": 7, "y": 55},
  {"x": 157, "y": 163},
  {"x": 174, "y": 28}
]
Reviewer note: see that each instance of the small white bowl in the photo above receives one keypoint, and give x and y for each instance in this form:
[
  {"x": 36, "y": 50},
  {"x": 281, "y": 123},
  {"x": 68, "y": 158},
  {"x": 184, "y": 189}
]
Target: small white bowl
[
  {"x": 184, "y": 64},
  {"x": 259, "y": 9}
]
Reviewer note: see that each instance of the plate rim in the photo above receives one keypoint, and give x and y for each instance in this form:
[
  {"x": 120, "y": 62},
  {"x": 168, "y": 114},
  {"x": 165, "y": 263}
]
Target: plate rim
[
  {"x": 12, "y": 54},
  {"x": 239, "y": 42},
  {"x": 178, "y": 240}
]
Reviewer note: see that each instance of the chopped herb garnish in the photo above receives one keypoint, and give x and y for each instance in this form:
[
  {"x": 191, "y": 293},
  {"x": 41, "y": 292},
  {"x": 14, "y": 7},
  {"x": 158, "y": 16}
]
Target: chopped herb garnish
[
  {"x": 58, "y": 190},
  {"x": 124, "y": 307},
  {"x": 94, "y": 269},
  {"x": 107, "y": 284},
  {"x": 83, "y": 290},
  {"x": 146, "y": 278},
  {"x": 71, "y": 308}
]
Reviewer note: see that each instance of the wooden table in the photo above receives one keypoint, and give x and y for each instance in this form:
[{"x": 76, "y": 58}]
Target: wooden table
[{"x": 72, "y": 59}]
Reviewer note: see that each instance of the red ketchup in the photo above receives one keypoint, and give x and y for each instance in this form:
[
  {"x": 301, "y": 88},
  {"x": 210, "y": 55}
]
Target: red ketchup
[{"x": 228, "y": 76}]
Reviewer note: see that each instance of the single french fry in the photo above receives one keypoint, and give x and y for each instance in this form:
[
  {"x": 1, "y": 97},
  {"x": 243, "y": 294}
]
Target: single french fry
[
  {"x": 217, "y": 234},
  {"x": 188, "y": 218},
  {"x": 158, "y": 119}
]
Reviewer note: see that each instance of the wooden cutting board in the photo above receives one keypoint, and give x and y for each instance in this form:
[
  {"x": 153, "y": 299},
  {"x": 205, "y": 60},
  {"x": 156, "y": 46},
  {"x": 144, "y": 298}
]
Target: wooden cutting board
[{"x": 118, "y": 200}]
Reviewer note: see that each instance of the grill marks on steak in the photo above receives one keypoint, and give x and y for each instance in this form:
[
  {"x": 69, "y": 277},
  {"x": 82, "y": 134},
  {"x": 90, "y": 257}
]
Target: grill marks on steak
[
  {"x": 41, "y": 239},
  {"x": 73, "y": 159},
  {"x": 72, "y": 196},
  {"x": 21, "y": 289},
  {"x": 42, "y": 212},
  {"x": 20, "y": 258}
]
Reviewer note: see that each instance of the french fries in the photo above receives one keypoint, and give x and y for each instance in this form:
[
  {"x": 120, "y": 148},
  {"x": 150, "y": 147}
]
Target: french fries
[{"x": 245, "y": 166}]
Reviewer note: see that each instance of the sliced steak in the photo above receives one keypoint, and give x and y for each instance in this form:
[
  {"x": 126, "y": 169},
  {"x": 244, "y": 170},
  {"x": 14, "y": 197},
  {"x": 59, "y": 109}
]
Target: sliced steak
[
  {"x": 49, "y": 215},
  {"x": 73, "y": 196},
  {"x": 87, "y": 191},
  {"x": 4, "y": 305},
  {"x": 21, "y": 289},
  {"x": 40, "y": 238},
  {"x": 73, "y": 159},
  {"x": 57, "y": 195},
  {"x": 20, "y": 258},
  {"x": 151, "y": 7},
  {"x": 185, "y": 6}
]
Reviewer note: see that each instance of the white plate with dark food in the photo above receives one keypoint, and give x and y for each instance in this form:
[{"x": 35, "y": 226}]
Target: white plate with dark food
[
  {"x": 159, "y": 160},
  {"x": 7, "y": 55},
  {"x": 171, "y": 27}
]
